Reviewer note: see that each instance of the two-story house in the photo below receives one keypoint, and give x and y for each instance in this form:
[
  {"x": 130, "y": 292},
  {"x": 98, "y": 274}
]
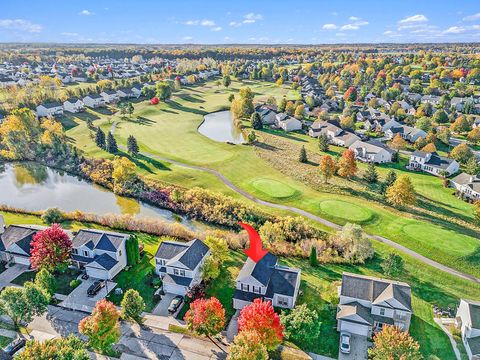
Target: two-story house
[
  {"x": 110, "y": 96},
  {"x": 102, "y": 254},
  {"x": 287, "y": 123},
  {"x": 468, "y": 320},
  {"x": 179, "y": 265},
  {"x": 73, "y": 105},
  {"x": 50, "y": 109},
  {"x": 15, "y": 242},
  {"x": 467, "y": 186},
  {"x": 94, "y": 101},
  {"x": 408, "y": 133},
  {"x": 433, "y": 163},
  {"x": 267, "y": 280},
  {"x": 335, "y": 134},
  {"x": 372, "y": 151},
  {"x": 368, "y": 303}
]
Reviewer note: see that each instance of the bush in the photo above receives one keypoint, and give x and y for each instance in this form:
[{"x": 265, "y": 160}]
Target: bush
[
  {"x": 74, "y": 283},
  {"x": 53, "y": 216},
  {"x": 156, "y": 282}
]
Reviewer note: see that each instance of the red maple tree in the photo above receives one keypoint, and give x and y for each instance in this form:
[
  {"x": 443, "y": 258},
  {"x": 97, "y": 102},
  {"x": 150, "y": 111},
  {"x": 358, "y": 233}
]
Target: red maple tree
[
  {"x": 261, "y": 318},
  {"x": 50, "y": 249},
  {"x": 350, "y": 94},
  {"x": 206, "y": 316}
]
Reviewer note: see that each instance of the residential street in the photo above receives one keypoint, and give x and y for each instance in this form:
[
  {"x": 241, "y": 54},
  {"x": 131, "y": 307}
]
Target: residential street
[{"x": 148, "y": 342}]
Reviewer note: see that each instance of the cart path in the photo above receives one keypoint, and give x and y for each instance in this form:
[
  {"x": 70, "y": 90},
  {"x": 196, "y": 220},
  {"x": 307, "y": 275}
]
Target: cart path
[{"x": 316, "y": 218}]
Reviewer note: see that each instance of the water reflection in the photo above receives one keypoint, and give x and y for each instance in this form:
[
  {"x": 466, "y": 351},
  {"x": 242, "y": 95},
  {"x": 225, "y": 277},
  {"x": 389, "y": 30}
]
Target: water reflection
[
  {"x": 36, "y": 187},
  {"x": 219, "y": 126}
]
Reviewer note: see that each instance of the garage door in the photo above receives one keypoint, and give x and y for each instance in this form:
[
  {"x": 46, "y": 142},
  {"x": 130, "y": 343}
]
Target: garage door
[
  {"x": 22, "y": 260},
  {"x": 174, "y": 289},
  {"x": 354, "y": 328},
  {"x": 96, "y": 273}
]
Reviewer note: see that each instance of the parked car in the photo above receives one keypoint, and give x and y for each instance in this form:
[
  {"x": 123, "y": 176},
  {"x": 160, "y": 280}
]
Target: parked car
[
  {"x": 345, "y": 342},
  {"x": 95, "y": 287},
  {"x": 14, "y": 346},
  {"x": 175, "y": 304}
]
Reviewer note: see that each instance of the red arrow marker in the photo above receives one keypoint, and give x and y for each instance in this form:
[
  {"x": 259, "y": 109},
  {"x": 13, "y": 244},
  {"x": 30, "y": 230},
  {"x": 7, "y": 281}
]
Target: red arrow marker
[{"x": 255, "y": 252}]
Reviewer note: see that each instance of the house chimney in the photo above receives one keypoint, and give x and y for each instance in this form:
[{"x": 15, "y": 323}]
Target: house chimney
[{"x": 2, "y": 224}]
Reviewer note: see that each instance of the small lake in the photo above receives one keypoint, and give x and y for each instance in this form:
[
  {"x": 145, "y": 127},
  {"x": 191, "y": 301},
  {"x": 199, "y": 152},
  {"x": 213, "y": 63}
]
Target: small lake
[
  {"x": 219, "y": 126},
  {"x": 36, "y": 187}
]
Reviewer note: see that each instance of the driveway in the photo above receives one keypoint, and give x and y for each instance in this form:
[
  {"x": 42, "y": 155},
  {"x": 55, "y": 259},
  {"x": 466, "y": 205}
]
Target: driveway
[
  {"x": 162, "y": 307},
  {"x": 358, "y": 349},
  {"x": 79, "y": 300},
  {"x": 11, "y": 273}
]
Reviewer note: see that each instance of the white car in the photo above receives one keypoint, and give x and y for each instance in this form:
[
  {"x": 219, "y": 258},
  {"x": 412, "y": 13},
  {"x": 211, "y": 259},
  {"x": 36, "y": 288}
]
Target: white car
[{"x": 345, "y": 342}]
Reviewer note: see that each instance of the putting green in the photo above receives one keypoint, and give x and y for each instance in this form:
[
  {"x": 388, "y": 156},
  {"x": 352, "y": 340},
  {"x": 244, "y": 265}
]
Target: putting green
[
  {"x": 448, "y": 241},
  {"x": 346, "y": 210},
  {"x": 273, "y": 188}
]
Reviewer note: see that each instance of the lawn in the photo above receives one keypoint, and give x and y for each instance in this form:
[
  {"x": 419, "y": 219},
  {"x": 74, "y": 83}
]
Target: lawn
[
  {"x": 4, "y": 341},
  {"x": 62, "y": 280},
  {"x": 170, "y": 130}
]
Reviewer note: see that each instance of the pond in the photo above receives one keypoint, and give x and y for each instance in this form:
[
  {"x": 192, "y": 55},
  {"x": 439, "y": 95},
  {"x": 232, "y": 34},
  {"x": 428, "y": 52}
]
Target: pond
[
  {"x": 35, "y": 187},
  {"x": 219, "y": 126}
]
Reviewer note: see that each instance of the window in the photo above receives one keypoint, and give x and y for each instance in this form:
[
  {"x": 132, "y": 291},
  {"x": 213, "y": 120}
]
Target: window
[
  {"x": 75, "y": 251},
  {"x": 256, "y": 289},
  {"x": 120, "y": 253},
  {"x": 245, "y": 287},
  {"x": 179, "y": 272},
  {"x": 382, "y": 312},
  {"x": 282, "y": 301},
  {"x": 86, "y": 253}
]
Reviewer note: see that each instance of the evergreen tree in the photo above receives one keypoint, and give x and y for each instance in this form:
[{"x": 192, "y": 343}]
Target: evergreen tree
[
  {"x": 323, "y": 142},
  {"x": 313, "y": 256},
  {"x": 256, "y": 121},
  {"x": 112, "y": 146},
  {"x": 371, "y": 174},
  {"x": 389, "y": 180},
  {"x": 303, "y": 155},
  {"x": 100, "y": 138},
  {"x": 130, "y": 109},
  {"x": 132, "y": 146}
]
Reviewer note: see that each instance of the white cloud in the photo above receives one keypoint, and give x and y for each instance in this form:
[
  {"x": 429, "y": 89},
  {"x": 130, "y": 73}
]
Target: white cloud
[
  {"x": 353, "y": 18},
  {"x": 20, "y": 25},
  {"x": 235, "y": 24},
  {"x": 472, "y": 17},
  {"x": 361, "y": 23},
  {"x": 251, "y": 18},
  {"x": 355, "y": 25},
  {"x": 414, "y": 19},
  {"x": 70, "y": 34},
  {"x": 187, "y": 38},
  {"x": 349, "y": 27},
  {"x": 208, "y": 23},
  {"x": 218, "y": 28},
  {"x": 329, "y": 27},
  {"x": 85, "y": 13},
  {"x": 334, "y": 13},
  {"x": 454, "y": 30},
  {"x": 388, "y": 32}
]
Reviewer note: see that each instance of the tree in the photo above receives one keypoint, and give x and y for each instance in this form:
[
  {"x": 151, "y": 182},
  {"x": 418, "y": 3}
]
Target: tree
[
  {"x": 371, "y": 175},
  {"x": 301, "y": 324},
  {"x": 347, "y": 122},
  {"x": 328, "y": 167},
  {"x": 424, "y": 123},
  {"x": 205, "y": 317},
  {"x": 393, "y": 344},
  {"x": 323, "y": 142},
  {"x": 50, "y": 249},
  {"x": 252, "y": 137},
  {"x": 45, "y": 280},
  {"x": 460, "y": 125},
  {"x": 347, "y": 165},
  {"x": 472, "y": 167},
  {"x": 393, "y": 265},
  {"x": 256, "y": 121},
  {"x": 133, "y": 253},
  {"x": 398, "y": 143},
  {"x": 226, "y": 81},
  {"x": 247, "y": 345},
  {"x": 351, "y": 94},
  {"x": 100, "y": 138},
  {"x": 282, "y": 105},
  {"x": 22, "y": 304},
  {"x": 353, "y": 244},
  {"x": 130, "y": 109},
  {"x": 112, "y": 146},
  {"x": 462, "y": 153},
  {"x": 476, "y": 211},
  {"x": 313, "y": 256},
  {"x": 299, "y": 112},
  {"x": 132, "y": 146},
  {"x": 123, "y": 171},
  {"x": 218, "y": 254},
  {"x": 52, "y": 216},
  {"x": 163, "y": 91},
  {"x": 132, "y": 305},
  {"x": 102, "y": 327},
  {"x": 243, "y": 106},
  {"x": 474, "y": 136},
  {"x": 70, "y": 348},
  {"x": 303, "y": 155},
  {"x": 401, "y": 193},
  {"x": 389, "y": 180},
  {"x": 429, "y": 148},
  {"x": 261, "y": 318},
  {"x": 231, "y": 97}
]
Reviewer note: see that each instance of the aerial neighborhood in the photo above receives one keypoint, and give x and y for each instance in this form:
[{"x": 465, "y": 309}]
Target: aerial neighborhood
[{"x": 177, "y": 183}]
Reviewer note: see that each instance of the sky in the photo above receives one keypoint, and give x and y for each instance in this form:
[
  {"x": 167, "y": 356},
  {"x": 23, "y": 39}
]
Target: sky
[{"x": 239, "y": 21}]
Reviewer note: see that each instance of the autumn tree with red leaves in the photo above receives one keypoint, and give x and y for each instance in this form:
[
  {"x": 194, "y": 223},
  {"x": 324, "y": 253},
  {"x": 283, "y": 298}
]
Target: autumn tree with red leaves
[
  {"x": 347, "y": 165},
  {"x": 260, "y": 317},
  {"x": 351, "y": 94},
  {"x": 205, "y": 317},
  {"x": 102, "y": 327},
  {"x": 50, "y": 249}
]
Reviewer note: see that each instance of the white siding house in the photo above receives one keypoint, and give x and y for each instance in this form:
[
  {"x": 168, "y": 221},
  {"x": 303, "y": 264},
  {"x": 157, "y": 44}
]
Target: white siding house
[
  {"x": 73, "y": 105},
  {"x": 372, "y": 151},
  {"x": 468, "y": 320},
  {"x": 433, "y": 163},
  {"x": 94, "y": 101},
  {"x": 50, "y": 109}
]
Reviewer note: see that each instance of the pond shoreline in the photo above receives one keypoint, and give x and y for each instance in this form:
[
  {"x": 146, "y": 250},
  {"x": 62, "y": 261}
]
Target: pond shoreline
[{"x": 219, "y": 126}]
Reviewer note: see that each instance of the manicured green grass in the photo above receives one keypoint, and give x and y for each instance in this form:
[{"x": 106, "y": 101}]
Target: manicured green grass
[
  {"x": 24, "y": 277},
  {"x": 273, "y": 188},
  {"x": 62, "y": 280},
  {"x": 4, "y": 341},
  {"x": 346, "y": 210}
]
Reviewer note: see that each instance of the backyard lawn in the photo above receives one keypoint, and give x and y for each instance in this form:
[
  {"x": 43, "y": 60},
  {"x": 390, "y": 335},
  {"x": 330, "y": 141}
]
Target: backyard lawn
[{"x": 62, "y": 280}]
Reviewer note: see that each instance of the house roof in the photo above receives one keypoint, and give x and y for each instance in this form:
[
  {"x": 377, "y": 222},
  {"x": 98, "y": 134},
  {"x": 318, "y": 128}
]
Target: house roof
[
  {"x": 104, "y": 260},
  {"x": 178, "y": 280},
  {"x": 51, "y": 105},
  {"x": 97, "y": 239},
  {"x": 354, "y": 312},
  {"x": 474, "y": 310},
  {"x": 261, "y": 270},
  {"x": 169, "y": 249},
  {"x": 474, "y": 344},
  {"x": 435, "y": 160},
  {"x": 372, "y": 146},
  {"x": 375, "y": 290},
  {"x": 189, "y": 254},
  {"x": 94, "y": 96},
  {"x": 283, "y": 281},
  {"x": 73, "y": 100},
  {"x": 21, "y": 235},
  {"x": 473, "y": 182}
]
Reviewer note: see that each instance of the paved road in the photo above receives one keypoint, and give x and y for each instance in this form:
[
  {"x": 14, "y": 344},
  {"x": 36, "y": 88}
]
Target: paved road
[
  {"x": 139, "y": 343},
  {"x": 316, "y": 218}
]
